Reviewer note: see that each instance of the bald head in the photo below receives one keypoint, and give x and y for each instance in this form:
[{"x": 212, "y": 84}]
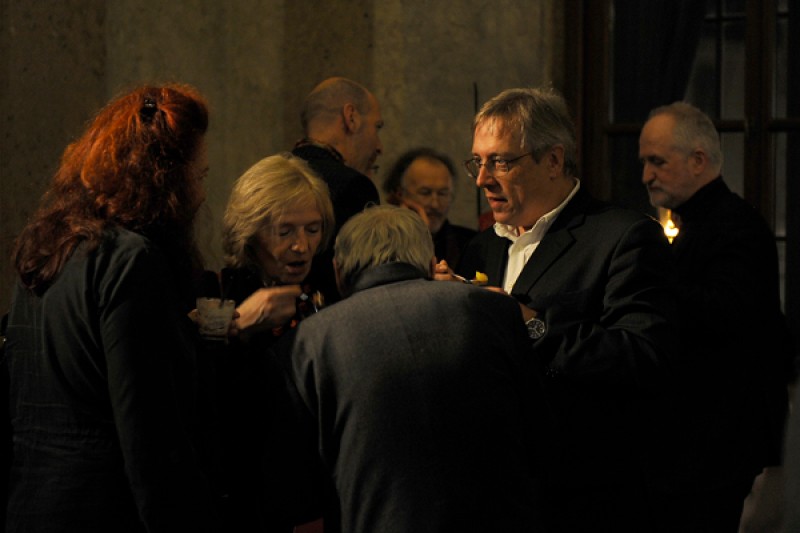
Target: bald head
[
  {"x": 343, "y": 114},
  {"x": 324, "y": 102}
]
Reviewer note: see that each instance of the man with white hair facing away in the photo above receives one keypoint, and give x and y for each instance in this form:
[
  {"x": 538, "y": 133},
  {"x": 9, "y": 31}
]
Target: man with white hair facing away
[{"x": 419, "y": 393}]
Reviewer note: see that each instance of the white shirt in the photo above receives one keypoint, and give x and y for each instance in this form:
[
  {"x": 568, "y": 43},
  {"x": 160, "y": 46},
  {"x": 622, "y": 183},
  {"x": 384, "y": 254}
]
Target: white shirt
[{"x": 522, "y": 246}]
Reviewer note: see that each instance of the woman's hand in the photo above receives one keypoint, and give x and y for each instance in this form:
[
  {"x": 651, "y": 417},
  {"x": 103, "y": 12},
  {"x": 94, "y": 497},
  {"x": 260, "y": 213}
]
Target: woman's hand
[{"x": 266, "y": 308}]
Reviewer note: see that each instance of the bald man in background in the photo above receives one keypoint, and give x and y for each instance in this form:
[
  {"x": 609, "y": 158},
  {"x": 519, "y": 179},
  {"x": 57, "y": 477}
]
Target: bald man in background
[{"x": 341, "y": 122}]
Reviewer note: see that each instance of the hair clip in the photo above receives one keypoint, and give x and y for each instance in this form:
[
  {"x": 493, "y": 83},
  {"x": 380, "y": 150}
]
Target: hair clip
[{"x": 148, "y": 108}]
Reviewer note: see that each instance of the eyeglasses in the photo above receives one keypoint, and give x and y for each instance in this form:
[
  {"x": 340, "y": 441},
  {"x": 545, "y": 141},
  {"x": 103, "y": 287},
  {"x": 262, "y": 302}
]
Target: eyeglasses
[{"x": 496, "y": 166}]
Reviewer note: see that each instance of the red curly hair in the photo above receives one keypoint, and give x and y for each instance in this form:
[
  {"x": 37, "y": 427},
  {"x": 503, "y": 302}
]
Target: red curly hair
[{"x": 131, "y": 168}]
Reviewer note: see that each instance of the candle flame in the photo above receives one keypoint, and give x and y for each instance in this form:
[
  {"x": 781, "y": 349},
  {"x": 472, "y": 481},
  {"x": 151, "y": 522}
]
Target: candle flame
[{"x": 670, "y": 229}]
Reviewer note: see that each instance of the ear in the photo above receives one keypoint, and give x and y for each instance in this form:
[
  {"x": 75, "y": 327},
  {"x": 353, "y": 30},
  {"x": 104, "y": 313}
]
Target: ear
[
  {"x": 698, "y": 161},
  {"x": 555, "y": 160},
  {"x": 351, "y": 118}
]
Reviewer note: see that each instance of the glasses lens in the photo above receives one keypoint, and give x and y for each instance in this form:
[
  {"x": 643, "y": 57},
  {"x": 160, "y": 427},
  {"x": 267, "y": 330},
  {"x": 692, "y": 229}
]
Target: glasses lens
[{"x": 473, "y": 168}]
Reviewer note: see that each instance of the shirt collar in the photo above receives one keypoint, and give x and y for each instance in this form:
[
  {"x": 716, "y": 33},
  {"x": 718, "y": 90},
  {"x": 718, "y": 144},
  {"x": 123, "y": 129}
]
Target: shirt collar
[
  {"x": 302, "y": 143},
  {"x": 542, "y": 225}
]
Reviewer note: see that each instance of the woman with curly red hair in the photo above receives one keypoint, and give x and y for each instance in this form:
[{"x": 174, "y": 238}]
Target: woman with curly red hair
[{"x": 100, "y": 352}]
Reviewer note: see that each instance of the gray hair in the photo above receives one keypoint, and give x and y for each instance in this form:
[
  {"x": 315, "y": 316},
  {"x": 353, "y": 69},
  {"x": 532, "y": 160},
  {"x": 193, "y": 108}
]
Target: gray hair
[
  {"x": 260, "y": 197},
  {"x": 541, "y": 117},
  {"x": 693, "y": 129},
  {"x": 378, "y": 235},
  {"x": 327, "y": 98}
]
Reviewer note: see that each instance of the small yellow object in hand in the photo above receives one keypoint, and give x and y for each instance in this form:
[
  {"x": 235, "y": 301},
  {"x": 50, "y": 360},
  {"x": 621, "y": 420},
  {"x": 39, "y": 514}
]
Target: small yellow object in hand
[{"x": 480, "y": 277}]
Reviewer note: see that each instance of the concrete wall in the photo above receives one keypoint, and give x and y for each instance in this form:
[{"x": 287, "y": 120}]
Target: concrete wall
[{"x": 429, "y": 63}]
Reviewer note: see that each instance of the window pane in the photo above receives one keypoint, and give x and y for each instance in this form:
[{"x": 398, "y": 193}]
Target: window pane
[
  {"x": 733, "y": 161},
  {"x": 782, "y": 268},
  {"x": 703, "y": 80},
  {"x": 779, "y": 146},
  {"x": 626, "y": 173},
  {"x": 733, "y": 79},
  {"x": 780, "y": 67},
  {"x": 732, "y": 7}
]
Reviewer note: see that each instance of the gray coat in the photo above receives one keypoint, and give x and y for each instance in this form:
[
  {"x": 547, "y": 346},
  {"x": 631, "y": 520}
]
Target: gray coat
[{"x": 423, "y": 405}]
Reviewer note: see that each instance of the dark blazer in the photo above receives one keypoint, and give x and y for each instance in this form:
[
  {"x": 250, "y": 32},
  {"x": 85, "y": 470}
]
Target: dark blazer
[
  {"x": 104, "y": 398},
  {"x": 732, "y": 397},
  {"x": 417, "y": 395},
  {"x": 351, "y": 191},
  {"x": 599, "y": 280}
]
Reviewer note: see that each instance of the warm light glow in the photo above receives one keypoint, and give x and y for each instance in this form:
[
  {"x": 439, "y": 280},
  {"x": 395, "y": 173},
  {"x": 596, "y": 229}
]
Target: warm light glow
[{"x": 670, "y": 229}]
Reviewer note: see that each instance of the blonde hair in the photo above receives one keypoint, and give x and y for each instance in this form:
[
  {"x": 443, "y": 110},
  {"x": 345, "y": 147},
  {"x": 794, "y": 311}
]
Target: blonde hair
[
  {"x": 260, "y": 197},
  {"x": 378, "y": 235}
]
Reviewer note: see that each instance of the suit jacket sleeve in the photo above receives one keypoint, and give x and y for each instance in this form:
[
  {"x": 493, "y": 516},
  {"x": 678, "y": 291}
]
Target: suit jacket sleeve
[
  {"x": 618, "y": 326},
  {"x": 603, "y": 289},
  {"x": 151, "y": 386}
]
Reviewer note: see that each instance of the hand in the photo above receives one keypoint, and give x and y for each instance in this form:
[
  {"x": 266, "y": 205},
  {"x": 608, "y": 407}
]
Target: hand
[
  {"x": 417, "y": 208},
  {"x": 443, "y": 272},
  {"x": 527, "y": 312},
  {"x": 266, "y": 308}
]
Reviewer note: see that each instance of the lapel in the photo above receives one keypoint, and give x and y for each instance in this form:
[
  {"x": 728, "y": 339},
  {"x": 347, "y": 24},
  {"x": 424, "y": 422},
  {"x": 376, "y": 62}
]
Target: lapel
[
  {"x": 496, "y": 259},
  {"x": 556, "y": 241}
]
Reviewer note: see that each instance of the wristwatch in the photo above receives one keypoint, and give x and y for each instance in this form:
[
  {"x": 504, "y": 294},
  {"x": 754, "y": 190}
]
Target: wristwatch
[{"x": 536, "y": 328}]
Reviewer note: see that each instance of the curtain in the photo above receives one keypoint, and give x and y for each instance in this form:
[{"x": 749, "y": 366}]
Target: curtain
[{"x": 653, "y": 49}]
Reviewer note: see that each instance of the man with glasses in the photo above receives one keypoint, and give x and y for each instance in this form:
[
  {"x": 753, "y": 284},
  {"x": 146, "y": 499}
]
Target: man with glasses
[
  {"x": 592, "y": 283},
  {"x": 422, "y": 179}
]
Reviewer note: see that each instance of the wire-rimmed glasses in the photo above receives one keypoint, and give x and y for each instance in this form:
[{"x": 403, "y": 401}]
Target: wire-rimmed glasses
[{"x": 496, "y": 166}]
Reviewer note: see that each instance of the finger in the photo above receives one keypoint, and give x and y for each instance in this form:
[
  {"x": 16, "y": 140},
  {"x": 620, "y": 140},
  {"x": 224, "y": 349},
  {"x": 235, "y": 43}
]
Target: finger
[
  {"x": 442, "y": 267},
  {"x": 288, "y": 291}
]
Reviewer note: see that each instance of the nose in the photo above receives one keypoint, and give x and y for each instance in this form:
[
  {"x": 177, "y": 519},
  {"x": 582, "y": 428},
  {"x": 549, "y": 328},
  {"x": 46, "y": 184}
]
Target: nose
[
  {"x": 483, "y": 177},
  {"x": 648, "y": 174},
  {"x": 300, "y": 244}
]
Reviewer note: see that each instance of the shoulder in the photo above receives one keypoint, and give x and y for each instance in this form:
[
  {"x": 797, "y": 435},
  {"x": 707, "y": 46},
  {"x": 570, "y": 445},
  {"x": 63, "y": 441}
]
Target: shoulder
[
  {"x": 734, "y": 212},
  {"x": 127, "y": 255},
  {"x": 484, "y": 237},
  {"x": 341, "y": 178},
  {"x": 121, "y": 245},
  {"x": 610, "y": 212},
  {"x": 461, "y": 232},
  {"x": 605, "y": 219}
]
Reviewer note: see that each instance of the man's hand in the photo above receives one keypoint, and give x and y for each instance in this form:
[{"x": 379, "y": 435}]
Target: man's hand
[
  {"x": 527, "y": 312},
  {"x": 443, "y": 272},
  {"x": 417, "y": 208}
]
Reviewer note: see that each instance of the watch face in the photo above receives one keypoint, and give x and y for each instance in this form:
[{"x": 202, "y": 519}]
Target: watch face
[{"x": 536, "y": 328}]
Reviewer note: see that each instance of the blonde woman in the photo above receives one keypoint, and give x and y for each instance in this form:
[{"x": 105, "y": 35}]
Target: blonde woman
[{"x": 278, "y": 217}]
